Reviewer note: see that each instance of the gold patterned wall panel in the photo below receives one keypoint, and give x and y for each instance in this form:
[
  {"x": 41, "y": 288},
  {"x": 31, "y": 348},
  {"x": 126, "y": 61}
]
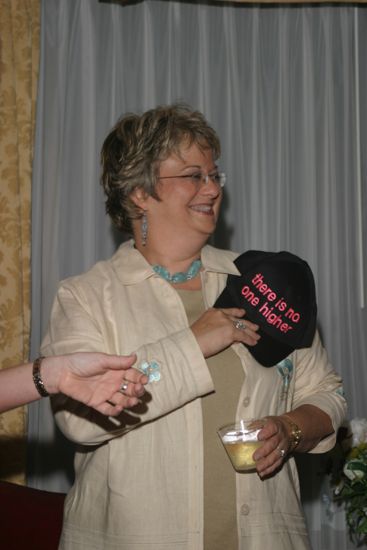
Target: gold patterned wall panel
[{"x": 19, "y": 52}]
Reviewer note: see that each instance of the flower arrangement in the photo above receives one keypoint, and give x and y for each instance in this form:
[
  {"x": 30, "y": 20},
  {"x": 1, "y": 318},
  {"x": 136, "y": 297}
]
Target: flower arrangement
[{"x": 349, "y": 477}]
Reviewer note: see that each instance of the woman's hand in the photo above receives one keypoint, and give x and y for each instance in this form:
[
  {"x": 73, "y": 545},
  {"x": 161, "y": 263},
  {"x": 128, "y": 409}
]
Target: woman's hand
[
  {"x": 279, "y": 439},
  {"x": 218, "y": 328},
  {"x": 95, "y": 379},
  {"x": 278, "y": 436},
  {"x": 276, "y": 445}
]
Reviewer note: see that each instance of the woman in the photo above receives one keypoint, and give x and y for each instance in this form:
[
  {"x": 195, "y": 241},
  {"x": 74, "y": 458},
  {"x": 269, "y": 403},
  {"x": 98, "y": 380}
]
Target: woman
[
  {"x": 107, "y": 383},
  {"x": 161, "y": 479}
]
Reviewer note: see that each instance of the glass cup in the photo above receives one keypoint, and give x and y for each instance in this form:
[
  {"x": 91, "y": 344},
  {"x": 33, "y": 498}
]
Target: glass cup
[{"x": 240, "y": 441}]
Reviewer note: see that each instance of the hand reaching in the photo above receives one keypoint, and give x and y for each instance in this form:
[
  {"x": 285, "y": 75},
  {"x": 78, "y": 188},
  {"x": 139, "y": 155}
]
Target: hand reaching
[{"x": 95, "y": 379}]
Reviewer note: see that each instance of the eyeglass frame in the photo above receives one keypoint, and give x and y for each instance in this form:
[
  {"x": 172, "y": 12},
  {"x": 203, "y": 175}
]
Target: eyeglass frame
[{"x": 195, "y": 179}]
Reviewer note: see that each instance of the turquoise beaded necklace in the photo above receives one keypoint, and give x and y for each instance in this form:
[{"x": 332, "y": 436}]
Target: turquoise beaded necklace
[{"x": 180, "y": 276}]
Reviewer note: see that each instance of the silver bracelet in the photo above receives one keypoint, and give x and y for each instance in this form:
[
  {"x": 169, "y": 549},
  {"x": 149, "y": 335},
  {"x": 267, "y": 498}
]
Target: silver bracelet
[{"x": 38, "y": 382}]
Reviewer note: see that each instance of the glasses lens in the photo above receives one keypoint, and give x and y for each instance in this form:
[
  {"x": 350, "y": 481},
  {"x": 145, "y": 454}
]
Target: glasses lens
[
  {"x": 222, "y": 178},
  {"x": 219, "y": 178}
]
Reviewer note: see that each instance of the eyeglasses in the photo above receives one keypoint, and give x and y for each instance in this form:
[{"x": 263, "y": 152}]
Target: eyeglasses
[{"x": 219, "y": 178}]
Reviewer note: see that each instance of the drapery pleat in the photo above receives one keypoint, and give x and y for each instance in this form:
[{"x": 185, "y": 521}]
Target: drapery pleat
[
  {"x": 19, "y": 50},
  {"x": 285, "y": 88}
]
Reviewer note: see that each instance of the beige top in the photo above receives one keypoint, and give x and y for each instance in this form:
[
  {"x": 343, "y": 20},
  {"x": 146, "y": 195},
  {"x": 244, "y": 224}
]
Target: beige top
[
  {"x": 219, "y": 409},
  {"x": 139, "y": 479}
]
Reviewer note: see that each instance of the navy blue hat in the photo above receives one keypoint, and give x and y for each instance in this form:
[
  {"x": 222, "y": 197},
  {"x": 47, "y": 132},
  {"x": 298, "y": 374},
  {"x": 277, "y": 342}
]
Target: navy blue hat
[{"x": 277, "y": 290}]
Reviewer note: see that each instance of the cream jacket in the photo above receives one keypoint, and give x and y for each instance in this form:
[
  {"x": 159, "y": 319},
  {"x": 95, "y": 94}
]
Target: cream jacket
[{"x": 139, "y": 479}]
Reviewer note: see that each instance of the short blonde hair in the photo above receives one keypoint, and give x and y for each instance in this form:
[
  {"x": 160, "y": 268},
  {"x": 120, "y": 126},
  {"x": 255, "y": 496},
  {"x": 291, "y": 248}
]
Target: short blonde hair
[{"x": 135, "y": 147}]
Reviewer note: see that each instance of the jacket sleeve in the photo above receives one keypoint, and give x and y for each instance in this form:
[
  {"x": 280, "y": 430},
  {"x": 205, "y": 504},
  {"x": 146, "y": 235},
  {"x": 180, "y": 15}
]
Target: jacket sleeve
[
  {"x": 318, "y": 384},
  {"x": 182, "y": 374}
]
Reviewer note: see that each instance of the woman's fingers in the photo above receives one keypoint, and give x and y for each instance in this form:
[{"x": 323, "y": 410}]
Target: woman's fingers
[
  {"x": 218, "y": 328},
  {"x": 116, "y": 404},
  {"x": 248, "y": 331},
  {"x": 131, "y": 388},
  {"x": 270, "y": 456},
  {"x": 135, "y": 380},
  {"x": 238, "y": 317}
]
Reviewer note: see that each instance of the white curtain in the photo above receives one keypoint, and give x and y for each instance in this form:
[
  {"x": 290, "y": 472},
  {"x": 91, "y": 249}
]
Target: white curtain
[{"x": 286, "y": 89}]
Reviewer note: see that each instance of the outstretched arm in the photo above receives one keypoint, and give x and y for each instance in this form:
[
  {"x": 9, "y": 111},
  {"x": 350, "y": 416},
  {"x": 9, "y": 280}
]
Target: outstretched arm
[{"x": 92, "y": 378}]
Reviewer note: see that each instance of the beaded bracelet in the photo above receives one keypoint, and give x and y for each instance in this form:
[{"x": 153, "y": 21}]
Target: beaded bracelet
[{"x": 38, "y": 382}]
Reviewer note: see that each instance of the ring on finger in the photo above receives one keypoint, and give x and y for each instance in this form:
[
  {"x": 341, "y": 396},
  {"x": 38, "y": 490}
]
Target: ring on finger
[
  {"x": 239, "y": 325},
  {"x": 123, "y": 387},
  {"x": 281, "y": 452}
]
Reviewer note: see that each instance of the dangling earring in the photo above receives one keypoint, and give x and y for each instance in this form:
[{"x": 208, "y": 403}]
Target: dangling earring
[{"x": 144, "y": 228}]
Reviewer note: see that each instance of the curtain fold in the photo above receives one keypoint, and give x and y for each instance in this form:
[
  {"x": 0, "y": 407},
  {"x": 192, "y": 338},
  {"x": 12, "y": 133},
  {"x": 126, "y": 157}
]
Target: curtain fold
[
  {"x": 284, "y": 87},
  {"x": 19, "y": 51}
]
